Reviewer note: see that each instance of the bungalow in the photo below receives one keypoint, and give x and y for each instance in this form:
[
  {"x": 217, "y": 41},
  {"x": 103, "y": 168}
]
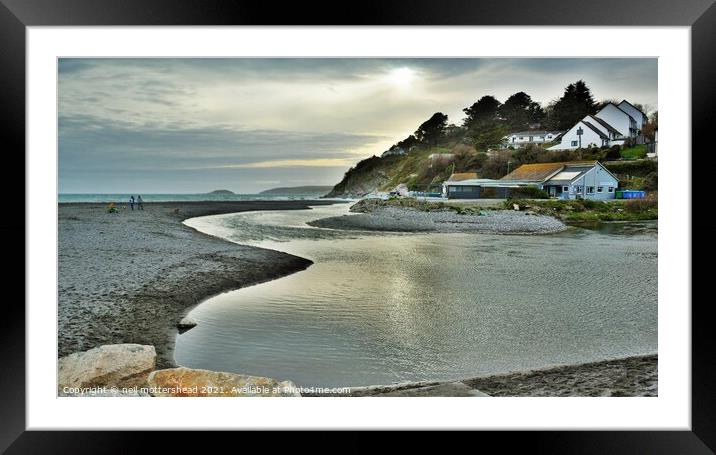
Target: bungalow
[
  {"x": 481, "y": 189},
  {"x": 522, "y": 138},
  {"x": 572, "y": 180},
  {"x": 458, "y": 177},
  {"x": 612, "y": 125}
]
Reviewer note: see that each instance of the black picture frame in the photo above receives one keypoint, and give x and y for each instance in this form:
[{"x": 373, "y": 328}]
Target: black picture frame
[{"x": 16, "y": 15}]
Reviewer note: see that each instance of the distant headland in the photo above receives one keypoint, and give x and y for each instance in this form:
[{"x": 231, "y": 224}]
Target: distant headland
[
  {"x": 221, "y": 192},
  {"x": 299, "y": 190}
]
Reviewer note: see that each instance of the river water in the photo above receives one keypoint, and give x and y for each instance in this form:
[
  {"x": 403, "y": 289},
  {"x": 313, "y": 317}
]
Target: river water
[{"x": 384, "y": 308}]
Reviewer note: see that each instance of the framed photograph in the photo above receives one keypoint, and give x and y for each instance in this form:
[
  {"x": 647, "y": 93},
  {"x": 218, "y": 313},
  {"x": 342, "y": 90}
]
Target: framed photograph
[{"x": 417, "y": 216}]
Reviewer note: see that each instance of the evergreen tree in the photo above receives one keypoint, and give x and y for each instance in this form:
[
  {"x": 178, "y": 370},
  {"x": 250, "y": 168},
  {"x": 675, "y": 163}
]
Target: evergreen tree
[
  {"x": 576, "y": 102},
  {"x": 519, "y": 111},
  {"x": 484, "y": 110},
  {"x": 432, "y": 129}
]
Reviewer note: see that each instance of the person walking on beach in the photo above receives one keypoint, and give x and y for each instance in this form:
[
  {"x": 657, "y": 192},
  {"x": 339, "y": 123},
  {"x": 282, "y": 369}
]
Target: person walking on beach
[
  {"x": 140, "y": 203},
  {"x": 131, "y": 202}
]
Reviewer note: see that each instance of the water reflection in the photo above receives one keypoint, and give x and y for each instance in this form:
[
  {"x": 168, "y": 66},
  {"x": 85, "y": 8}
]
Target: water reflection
[{"x": 384, "y": 308}]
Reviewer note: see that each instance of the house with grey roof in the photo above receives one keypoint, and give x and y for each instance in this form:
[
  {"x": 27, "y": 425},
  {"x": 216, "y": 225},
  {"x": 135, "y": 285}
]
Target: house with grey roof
[
  {"x": 522, "y": 138},
  {"x": 569, "y": 180},
  {"x": 612, "y": 125}
]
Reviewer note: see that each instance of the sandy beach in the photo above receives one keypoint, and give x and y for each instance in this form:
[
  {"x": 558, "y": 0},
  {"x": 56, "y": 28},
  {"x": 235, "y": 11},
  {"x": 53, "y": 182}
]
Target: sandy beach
[
  {"x": 628, "y": 377},
  {"x": 130, "y": 277}
]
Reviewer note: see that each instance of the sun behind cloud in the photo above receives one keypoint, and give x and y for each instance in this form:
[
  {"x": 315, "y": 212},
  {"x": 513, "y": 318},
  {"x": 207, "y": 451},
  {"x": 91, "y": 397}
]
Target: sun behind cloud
[{"x": 402, "y": 77}]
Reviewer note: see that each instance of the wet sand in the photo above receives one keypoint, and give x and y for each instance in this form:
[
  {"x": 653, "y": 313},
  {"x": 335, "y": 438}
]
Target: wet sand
[
  {"x": 628, "y": 377},
  {"x": 130, "y": 277}
]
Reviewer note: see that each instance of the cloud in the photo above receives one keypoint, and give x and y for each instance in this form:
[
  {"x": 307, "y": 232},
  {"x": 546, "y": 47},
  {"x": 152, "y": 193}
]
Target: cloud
[
  {"x": 166, "y": 122},
  {"x": 316, "y": 162}
]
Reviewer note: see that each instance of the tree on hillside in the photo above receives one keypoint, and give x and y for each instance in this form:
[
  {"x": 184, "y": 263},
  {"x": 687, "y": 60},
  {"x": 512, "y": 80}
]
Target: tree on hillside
[
  {"x": 406, "y": 143},
  {"x": 484, "y": 139},
  {"x": 453, "y": 131},
  {"x": 649, "y": 128},
  {"x": 531, "y": 153},
  {"x": 497, "y": 165},
  {"x": 576, "y": 102},
  {"x": 432, "y": 129},
  {"x": 484, "y": 110},
  {"x": 519, "y": 111}
]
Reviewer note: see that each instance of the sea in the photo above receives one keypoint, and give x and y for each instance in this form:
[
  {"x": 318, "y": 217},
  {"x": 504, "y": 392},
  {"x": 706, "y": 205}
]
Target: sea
[{"x": 181, "y": 197}]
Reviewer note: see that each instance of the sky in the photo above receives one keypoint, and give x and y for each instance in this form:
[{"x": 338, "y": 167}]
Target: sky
[{"x": 250, "y": 124}]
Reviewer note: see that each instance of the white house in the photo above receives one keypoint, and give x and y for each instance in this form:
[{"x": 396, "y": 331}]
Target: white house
[
  {"x": 521, "y": 138},
  {"x": 582, "y": 135},
  {"x": 620, "y": 120},
  {"x": 395, "y": 151},
  {"x": 610, "y": 126},
  {"x": 635, "y": 112}
]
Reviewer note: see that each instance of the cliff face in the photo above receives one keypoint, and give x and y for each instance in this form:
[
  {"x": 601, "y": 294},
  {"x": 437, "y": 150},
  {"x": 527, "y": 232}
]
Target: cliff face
[
  {"x": 367, "y": 176},
  {"x": 416, "y": 169}
]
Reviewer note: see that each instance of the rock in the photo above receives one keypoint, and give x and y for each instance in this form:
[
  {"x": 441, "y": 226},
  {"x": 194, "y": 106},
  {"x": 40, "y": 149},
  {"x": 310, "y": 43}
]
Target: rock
[
  {"x": 186, "y": 324},
  {"x": 189, "y": 382},
  {"x": 402, "y": 189},
  {"x": 120, "y": 365},
  {"x": 516, "y": 206}
]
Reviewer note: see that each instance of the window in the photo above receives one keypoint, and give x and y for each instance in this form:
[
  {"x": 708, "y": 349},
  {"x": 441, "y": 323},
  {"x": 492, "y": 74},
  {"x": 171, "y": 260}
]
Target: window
[
  {"x": 565, "y": 189},
  {"x": 590, "y": 190},
  {"x": 577, "y": 189},
  {"x": 531, "y": 138},
  {"x": 611, "y": 189},
  {"x": 600, "y": 189},
  {"x": 574, "y": 143},
  {"x": 522, "y": 137}
]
